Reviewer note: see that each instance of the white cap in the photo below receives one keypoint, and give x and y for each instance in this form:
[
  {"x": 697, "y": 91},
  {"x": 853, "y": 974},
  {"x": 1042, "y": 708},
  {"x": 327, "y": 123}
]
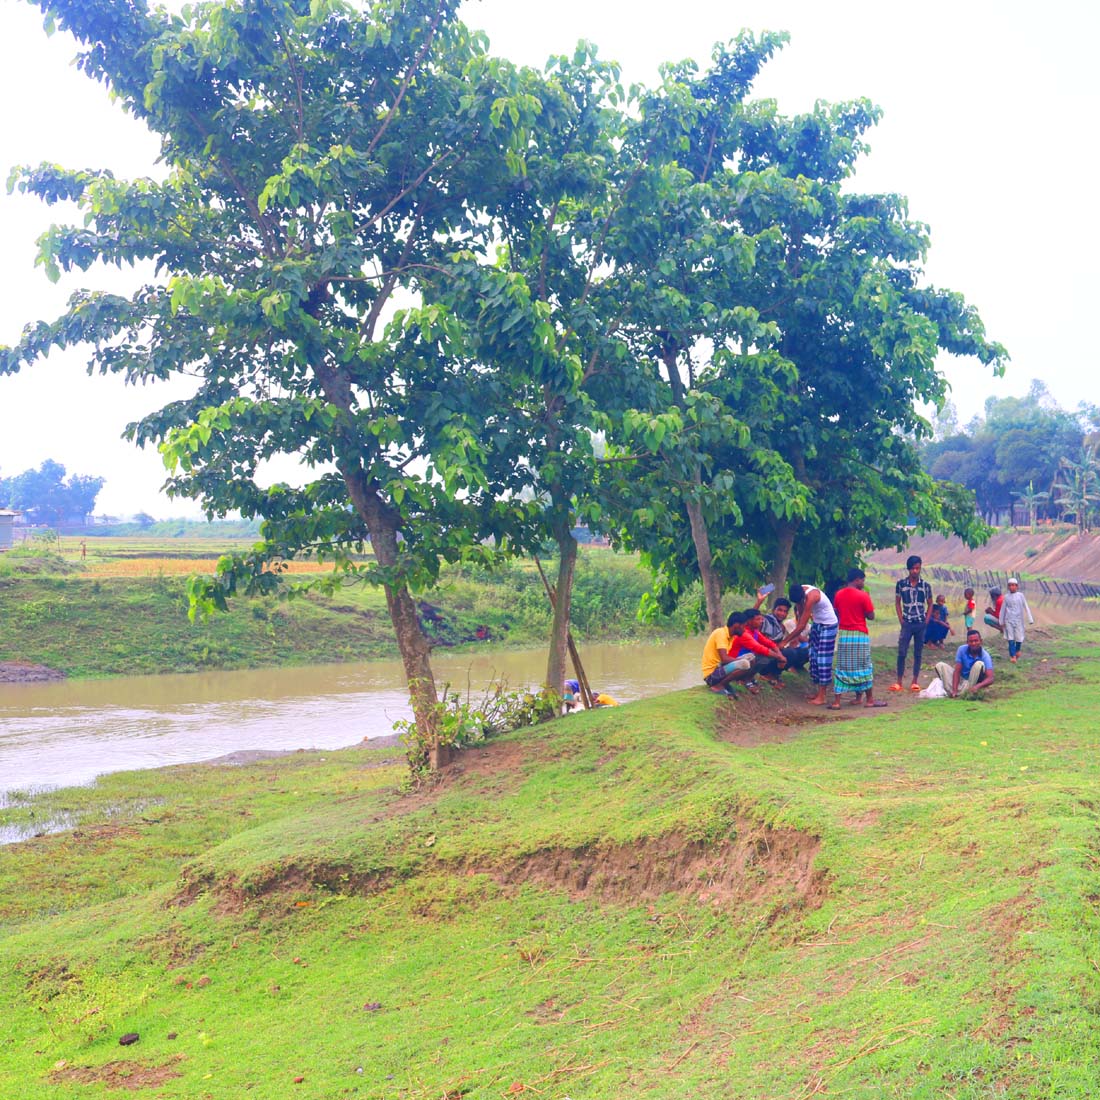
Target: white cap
[{"x": 1013, "y": 580}]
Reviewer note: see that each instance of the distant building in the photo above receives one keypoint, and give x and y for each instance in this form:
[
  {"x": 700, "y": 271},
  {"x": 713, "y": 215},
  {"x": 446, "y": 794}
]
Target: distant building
[{"x": 7, "y": 522}]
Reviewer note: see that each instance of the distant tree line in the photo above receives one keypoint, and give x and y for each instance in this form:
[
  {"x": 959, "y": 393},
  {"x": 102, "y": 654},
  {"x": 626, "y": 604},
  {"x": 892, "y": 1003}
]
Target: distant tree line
[
  {"x": 1026, "y": 460},
  {"x": 48, "y": 495}
]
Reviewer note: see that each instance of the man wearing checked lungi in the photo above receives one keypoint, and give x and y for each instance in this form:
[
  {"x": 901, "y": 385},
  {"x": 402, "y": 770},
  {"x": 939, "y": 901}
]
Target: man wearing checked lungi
[
  {"x": 852, "y": 669},
  {"x": 813, "y": 606}
]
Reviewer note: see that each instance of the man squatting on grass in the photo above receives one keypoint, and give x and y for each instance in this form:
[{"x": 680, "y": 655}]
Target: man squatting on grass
[
  {"x": 734, "y": 653},
  {"x": 720, "y": 669},
  {"x": 972, "y": 670},
  {"x": 913, "y": 605}
]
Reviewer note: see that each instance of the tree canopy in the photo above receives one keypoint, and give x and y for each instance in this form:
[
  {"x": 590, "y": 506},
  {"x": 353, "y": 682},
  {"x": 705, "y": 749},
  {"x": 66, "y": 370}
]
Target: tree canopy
[
  {"x": 1015, "y": 454},
  {"x": 49, "y": 495}
]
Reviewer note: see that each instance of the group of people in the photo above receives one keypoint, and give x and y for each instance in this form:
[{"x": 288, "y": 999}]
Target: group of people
[
  {"x": 804, "y": 629},
  {"x": 831, "y": 637}
]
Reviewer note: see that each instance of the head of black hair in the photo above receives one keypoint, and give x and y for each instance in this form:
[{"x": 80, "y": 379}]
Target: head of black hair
[
  {"x": 734, "y": 618},
  {"x": 781, "y": 602},
  {"x": 797, "y": 593},
  {"x": 856, "y": 575},
  {"x": 912, "y": 560}
]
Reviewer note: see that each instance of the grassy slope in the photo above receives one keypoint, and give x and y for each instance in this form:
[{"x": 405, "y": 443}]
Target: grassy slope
[
  {"x": 103, "y": 626},
  {"x": 617, "y": 905}
]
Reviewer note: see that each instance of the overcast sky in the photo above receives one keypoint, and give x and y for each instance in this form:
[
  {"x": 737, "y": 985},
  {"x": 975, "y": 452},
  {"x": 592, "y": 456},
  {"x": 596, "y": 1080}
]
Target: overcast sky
[{"x": 989, "y": 128}]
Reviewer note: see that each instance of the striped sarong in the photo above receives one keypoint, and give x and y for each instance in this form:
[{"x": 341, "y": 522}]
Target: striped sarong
[
  {"x": 822, "y": 644},
  {"x": 853, "y": 670}
]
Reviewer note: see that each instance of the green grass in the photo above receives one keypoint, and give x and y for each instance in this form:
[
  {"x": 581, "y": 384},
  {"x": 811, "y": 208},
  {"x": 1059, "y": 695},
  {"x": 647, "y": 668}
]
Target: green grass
[
  {"x": 619, "y": 904},
  {"x": 113, "y": 625}
]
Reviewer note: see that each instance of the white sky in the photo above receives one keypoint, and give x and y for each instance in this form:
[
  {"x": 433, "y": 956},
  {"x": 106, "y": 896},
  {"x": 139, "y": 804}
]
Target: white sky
[{"x": 989, "y": 129}]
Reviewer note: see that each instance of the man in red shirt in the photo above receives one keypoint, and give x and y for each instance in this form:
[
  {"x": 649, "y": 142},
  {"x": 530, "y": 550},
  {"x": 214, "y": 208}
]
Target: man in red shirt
[
  {"x": 745, "y": 638},
  {"x": 852, "y": 668}
]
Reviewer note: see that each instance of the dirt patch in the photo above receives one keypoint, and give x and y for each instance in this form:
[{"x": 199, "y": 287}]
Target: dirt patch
[
  {"x": 858, "y": 822},
  {"x": 23, "y": 672},
  {"x": 775, "y": 716},
  {"x": 758, "y": 864},
  {"x": 119, "y": 1075}
]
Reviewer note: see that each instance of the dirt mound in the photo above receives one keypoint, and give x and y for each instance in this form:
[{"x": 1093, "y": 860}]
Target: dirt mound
[
  {"x": 1054, "y": 552},
  {"x": 758, "y": 863},
  {"x": 23, "y": 672}
]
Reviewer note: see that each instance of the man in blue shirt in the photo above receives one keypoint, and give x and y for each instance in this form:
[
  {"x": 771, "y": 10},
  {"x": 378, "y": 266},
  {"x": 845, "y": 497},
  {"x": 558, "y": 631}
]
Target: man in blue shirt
[{"x": 973, "y": 668}]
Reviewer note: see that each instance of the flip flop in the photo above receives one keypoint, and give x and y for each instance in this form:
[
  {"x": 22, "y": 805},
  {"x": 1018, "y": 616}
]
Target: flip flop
[
  {"x": 833, "y": 706},
  {"x": 914, "y": 687},
  {"x": 895, "y": 687},
  {"x": 875, "y": 704}
]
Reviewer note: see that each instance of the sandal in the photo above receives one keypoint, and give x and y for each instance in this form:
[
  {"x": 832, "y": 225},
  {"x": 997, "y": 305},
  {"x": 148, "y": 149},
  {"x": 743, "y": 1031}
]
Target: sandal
[
  {"x": 914, "y": 686},
  {"x": 877, "y": 703},
  {"x": 833, "y": 706},
  {"x": 895, "y": 687}
]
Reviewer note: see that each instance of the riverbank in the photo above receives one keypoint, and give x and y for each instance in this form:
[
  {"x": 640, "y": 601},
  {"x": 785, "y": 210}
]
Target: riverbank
[
  {"x": 1056, "y": 552},
  {"x": 643, "y": 900},
  {"x": 95, "y": 623}
]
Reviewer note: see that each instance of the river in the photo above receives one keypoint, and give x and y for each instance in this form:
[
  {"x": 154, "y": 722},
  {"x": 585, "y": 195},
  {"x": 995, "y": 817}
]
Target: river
[{"x": 67, "y": 733}]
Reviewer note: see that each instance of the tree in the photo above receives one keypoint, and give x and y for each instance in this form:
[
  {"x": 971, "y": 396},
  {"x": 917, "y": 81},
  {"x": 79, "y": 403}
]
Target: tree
[
  {"x": 324, "y": 163},
  {"x": 47, "y": 495},
  {"x": 1077, "y": 489},
  {"x": 705, "y": 361},
  {"x": 1031, "y": 501},
  {"x": 837, "y": 342}
]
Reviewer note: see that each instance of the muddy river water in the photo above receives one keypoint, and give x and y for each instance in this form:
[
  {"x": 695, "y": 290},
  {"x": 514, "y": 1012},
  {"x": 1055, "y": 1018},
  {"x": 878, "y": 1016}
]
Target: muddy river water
[{"x": 66, "y": 733}]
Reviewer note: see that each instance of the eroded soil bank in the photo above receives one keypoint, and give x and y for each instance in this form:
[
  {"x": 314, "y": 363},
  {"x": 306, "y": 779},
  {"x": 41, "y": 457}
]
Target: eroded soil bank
[{"x": 1058, "y": 552}]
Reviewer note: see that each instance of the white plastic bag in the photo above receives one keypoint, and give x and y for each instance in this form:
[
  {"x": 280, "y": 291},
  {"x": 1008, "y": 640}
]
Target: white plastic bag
[{"x": 935, "y": 690}]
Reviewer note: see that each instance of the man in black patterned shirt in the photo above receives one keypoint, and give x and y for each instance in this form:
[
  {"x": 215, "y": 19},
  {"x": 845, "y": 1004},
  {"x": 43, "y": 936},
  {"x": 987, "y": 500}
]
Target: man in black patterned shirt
[{"x": 913, "y": 604}]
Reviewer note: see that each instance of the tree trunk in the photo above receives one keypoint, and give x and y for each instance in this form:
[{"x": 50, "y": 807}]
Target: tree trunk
[
  {"x": 382, "y": 523},
  {"x": 785, "y": 531},
  {"x": 712, "y": 585},
  {"x": 411, "y": 643},
  {"x": 563, "y": 603}
]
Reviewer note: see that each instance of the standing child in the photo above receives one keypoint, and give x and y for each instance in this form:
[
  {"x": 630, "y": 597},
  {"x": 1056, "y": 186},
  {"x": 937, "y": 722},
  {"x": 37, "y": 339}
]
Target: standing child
[
  {"x": 968, "y": 611},
  {"x": 1011, "y": 618}
]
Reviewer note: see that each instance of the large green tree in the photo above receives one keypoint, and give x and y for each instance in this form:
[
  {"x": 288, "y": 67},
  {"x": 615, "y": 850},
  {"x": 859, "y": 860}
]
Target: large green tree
[
  {"x": 836, "y": 279},
  {"x": 50, "y": 495},
  {"x": 324, "y": 161}
]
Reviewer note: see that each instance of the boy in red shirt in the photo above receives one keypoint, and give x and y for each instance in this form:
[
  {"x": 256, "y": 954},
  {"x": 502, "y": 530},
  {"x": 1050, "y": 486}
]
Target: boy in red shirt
[{"x": 745, "y": 638}]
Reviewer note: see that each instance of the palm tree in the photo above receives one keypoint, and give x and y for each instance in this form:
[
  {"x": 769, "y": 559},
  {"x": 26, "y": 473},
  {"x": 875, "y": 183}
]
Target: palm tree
[
  {"x": 1031, "y": 501},
  {"x": 1077, "y": 486}
]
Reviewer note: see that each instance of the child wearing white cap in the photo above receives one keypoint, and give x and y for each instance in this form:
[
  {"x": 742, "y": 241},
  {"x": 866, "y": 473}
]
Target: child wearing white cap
[{"x": 1011, "y": 618}]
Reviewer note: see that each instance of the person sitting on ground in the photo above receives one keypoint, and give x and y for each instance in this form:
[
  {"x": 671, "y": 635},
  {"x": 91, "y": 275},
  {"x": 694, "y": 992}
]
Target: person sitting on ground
[
  {"x": 972, "y": 670},
  {"x": 1013, "y": 609},
  {"x": 813, "y": 605},
  {"x": 720, "y": 669},
  {"x": 853, "y": 670},
  {"x": 602, "y": 699},
  {"x": 769, "y": 660},
  {"x": 993, "y": 612},
  {"x": 773, "y": 626},
  {"x": 938, "y": 625}
]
